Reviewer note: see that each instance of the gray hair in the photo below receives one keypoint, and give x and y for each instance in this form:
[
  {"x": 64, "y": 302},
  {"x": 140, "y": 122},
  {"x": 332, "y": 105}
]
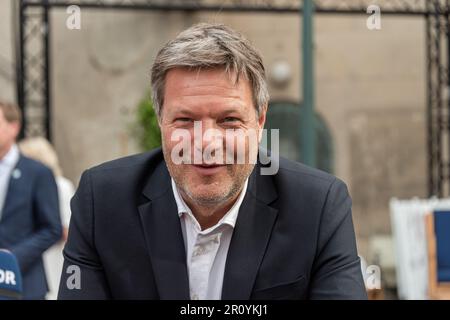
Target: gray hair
[{"x": 208, "y": 45}]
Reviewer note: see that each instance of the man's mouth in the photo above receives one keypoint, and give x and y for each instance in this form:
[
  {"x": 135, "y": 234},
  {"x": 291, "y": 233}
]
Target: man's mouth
[
  {"x": 208, "y": 169},
  {"x": 210, "y": 165}
]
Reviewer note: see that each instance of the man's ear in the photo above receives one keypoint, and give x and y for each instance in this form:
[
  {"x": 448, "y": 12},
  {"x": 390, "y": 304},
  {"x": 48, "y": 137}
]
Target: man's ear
[
  {"x": 15, "y": 127},
  {"x": 262, "y": 121},
  {"x": 262, "y": 117},
  {"x": 159, "y": 118}
]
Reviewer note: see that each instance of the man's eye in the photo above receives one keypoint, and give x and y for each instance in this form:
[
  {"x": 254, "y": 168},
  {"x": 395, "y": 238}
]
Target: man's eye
[
  {"x": 230, "y": 119},
  {"x": 183, "y": 119}
]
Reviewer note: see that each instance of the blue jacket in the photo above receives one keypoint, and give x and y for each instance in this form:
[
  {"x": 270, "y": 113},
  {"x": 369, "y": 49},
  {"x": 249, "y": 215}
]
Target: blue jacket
[{"x": 30, "y": 222}]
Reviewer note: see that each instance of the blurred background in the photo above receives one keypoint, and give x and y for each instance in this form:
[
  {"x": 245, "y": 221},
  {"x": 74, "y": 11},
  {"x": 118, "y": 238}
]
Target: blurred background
[{"x": 367, "y": 86}]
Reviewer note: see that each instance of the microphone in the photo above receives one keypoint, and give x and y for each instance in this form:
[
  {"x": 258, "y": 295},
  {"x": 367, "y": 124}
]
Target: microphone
[{"x": 10, "y": 277}]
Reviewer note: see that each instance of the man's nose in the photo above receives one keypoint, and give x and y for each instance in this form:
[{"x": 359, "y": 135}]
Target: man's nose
[{"x": 211, "y": 136}]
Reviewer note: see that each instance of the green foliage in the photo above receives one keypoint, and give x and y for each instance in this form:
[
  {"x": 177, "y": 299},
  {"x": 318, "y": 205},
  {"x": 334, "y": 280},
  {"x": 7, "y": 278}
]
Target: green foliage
[{"x": 148, "y": 133}]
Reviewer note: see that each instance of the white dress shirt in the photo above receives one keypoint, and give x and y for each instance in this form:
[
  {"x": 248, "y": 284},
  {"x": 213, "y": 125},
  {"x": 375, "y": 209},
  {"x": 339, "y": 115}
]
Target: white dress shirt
[
  {"x": 206, "y": 251},
  {"x": 7, "y": 165}
]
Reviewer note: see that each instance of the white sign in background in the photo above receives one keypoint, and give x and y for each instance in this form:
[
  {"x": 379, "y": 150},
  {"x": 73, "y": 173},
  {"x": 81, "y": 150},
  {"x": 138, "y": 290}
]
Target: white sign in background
[{"x": 410, "y": 244}]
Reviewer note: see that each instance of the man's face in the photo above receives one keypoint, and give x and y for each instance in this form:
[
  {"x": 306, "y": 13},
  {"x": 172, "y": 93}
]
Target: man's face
[
  {"x": 8, "y": 134},
  {"x": 210, "y": 98}
]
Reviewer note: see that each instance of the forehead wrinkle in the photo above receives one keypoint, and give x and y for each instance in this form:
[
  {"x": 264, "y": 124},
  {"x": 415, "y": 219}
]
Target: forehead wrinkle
[
  {"x": 199, "y": 89},
  {"x": 212, "y": 96},
  {"x": 207, "y": 106}
]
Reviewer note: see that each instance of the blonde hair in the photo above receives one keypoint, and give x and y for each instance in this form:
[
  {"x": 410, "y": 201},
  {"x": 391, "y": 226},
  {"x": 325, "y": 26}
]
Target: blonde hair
[{"x": 38, "y": 148}]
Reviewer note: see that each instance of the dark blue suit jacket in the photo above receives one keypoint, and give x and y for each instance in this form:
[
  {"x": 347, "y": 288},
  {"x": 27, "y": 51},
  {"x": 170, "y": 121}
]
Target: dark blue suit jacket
[
  {"x": 30, "y": 222},
  {"x": 293, "y": 237}
]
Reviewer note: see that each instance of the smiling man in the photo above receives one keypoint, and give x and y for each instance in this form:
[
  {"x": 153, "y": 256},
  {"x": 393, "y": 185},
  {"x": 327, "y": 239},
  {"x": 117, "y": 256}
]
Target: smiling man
[
  {"x": 213, "y": 100},
  {"x": 202, "y": 221}
]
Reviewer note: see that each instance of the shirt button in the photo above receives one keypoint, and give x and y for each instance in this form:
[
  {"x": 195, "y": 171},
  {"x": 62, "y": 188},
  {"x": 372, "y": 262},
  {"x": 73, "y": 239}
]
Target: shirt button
[{"x": 198, "y": 251}]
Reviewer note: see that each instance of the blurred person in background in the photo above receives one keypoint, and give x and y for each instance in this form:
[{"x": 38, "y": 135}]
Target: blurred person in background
[
  {"x": 40, "y": 149},
  {"x": 29, "y": 207}
]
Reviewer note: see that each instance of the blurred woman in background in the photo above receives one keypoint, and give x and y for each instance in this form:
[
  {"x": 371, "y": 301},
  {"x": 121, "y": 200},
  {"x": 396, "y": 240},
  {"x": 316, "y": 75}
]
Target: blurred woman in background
[{"x": 40, "y": 149}]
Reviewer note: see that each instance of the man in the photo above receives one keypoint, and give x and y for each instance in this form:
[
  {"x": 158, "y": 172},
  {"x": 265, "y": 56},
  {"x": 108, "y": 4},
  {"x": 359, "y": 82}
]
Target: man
[
  {"x": 29, "y": 208},
  {"x": 154, "y": 227}
]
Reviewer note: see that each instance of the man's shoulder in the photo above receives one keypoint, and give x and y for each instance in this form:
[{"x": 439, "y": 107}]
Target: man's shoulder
[
  {"x": 295, "y": 170},
  {"x": 130, "y": 162},
  {"x": 127, "y": 176},
  {"x": 31, "y": 165},
  {"x": 294, "y": 178},
  {"x": 128, "y": 171}
]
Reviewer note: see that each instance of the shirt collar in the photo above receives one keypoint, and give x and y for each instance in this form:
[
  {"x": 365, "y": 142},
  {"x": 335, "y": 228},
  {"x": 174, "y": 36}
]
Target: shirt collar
[
  {"x": 229, "y": 218},
  {"x": 12, "y": 157}
]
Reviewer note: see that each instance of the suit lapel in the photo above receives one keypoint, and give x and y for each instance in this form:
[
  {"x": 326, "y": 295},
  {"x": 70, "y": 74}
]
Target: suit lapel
[
  {"x": 250, "y": 237},
  {"x": 164, "y": 237}
]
